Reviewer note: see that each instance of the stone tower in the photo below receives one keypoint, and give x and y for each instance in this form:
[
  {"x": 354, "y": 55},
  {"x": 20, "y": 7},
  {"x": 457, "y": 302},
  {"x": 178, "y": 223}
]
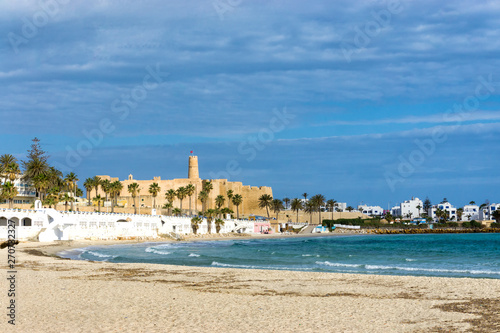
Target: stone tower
[{"x": 193, "y": 168}]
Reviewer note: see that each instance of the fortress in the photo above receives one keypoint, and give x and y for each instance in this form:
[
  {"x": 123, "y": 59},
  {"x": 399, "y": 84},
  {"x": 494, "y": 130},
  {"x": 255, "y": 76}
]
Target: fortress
[{"x": 250, "y": 194}]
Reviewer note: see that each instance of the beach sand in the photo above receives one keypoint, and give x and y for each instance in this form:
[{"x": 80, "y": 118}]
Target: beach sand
[{"x": 60, "y": 295}]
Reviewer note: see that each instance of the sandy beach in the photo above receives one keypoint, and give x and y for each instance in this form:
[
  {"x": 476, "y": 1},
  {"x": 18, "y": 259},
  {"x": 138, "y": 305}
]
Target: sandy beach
[{"x": 60, "y": 295}]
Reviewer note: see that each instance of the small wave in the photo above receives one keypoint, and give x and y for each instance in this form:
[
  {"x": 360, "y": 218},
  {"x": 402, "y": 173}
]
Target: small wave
[
  {"x": 335, "y": 264},
  {"x": 99, "y": 255},
  {"x": 218, "y": 264},
  {"x": 407, "y": 259},
  {"x": 193, "y": 255},
  {"x": 155, "y": 251},
  {"x": 307, "y": 255},
  {"x": 435, "y": 270}
]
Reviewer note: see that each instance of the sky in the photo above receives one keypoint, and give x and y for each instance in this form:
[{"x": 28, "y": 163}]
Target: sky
[{"x": 371, "y": 102}]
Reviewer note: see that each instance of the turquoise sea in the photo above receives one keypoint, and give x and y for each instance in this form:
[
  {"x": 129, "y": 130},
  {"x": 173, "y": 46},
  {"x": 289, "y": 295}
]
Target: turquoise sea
[{"x": 450, "y": 255}]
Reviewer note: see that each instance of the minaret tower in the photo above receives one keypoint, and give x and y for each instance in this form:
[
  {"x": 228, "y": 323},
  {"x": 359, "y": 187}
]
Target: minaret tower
[{"x": 193, "y": 168}]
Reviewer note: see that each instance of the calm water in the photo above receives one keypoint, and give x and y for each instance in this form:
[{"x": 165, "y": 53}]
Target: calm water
[{"x": 451, "y": 255}]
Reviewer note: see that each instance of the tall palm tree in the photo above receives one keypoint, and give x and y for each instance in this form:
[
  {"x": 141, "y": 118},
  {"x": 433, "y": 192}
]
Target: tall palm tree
[
  {"x": 5, "y": 160},
  {"x": 134, "y": 190},
  {"x": 330, "y": 204},
  {"x": 88, "y": 184},
  {"x": 286, "y": 201},
  {"x": 116, "y": 189},
  {"x": 190, "y": 189},
  {"x": 9, "y": 192},
  {"x": 211, "y": 214},
  {"x": 203, "y": 196},
  {"x": 176, "y": 212},
  {"x": 98, "y": 199},
  {"x": 305, "y": 195},
  {"x": 318, "y": 201},
  {"x": 154, "y": 189},
  {"x": 66, "y": 198},
  {"x": 71, "y": 179},
  {"x": 195, "y": 222},
  {"x": 237, "y": 200},
  {"x": 265, "y": 202},
  {"x": 277, "y": 206},
  {"x": 218, "y": 224},
  {"x": 170, "y": 195},
  {"x": 41, "y": 183},
  {"x": 181, "y": 194},
  {"x": 208, "y": 187},
  {"x": 296, "y": 205},
  {"x": 96, "y": 181},
  {"x": 11, "y": 171},
  {"x": 219, "y": 201},
  {"x": 54, "y": 196},
  {"x": 472, "y": 203},
  {"x": 106, "y": 188},
  {"x": 309, "y": 207},
  {"x": 230, "y": 195}
]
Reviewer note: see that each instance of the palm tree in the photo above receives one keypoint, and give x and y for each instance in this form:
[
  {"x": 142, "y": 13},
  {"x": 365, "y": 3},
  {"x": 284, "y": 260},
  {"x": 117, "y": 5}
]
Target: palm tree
[
  {"x": 277, "y": 206},
  {"x": 218, "y": 224},
  {"x": 9, "y": 192},
  {"x": 472, "y": 203},
  {"x": 208, "y": 187},
  {"x": 265, "y": 202},
  {"x": 181, "y": 194},
  {"x": 66, "y": 198},
  {"x": 237, "y": 200},
  {"x": 96, "y": 181},
  {"x": 106, "y": 188},
  {"x": 203, "y": 196},
  {"x": 88, "y": 184},
  {"x": 6, "y": 160},
  {"x": 176, "y": 212},
  {"x": 230, "y": 195},
  {"x": 98, "y": 199},
  {"x": 154, "y": 189},
  {"x": 225, "y": 211},
  {"x": 309, "y": 207},
  {"x": 190, "y": 189},
  {"x": 496, "y": 215},
  {"x": 318, "y": 201},
  {"x": 133, "y": 189},
  {"x": 305, "y": 195},
  {"x": 331, "y": 205},
  {"x": 170, "y": 195},
  {"x": 116, "y": 189},
  {"x": 11, "y": 171},
  {"x": 211, "y": 214},
  {"x": 41, "y": 183},
  {"x": 71, "y": 179},
  {"x": 55, "y": 195},
  {"x": 219, "y": 201},
  {"x": 349, "y": 209},
  {"x": 286, "y": 201},
  {"x": 296, "y": 205},
  {"x": 195, "y": 222}
]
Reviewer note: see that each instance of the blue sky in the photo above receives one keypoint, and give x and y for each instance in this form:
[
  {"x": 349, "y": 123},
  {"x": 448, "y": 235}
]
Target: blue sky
[{"x": 366, "y": 101}]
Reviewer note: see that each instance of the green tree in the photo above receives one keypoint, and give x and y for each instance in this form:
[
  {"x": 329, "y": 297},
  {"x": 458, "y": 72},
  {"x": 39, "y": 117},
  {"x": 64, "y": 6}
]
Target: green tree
[
  {"x": 96, "y": 182},
  {"x": 296, "y": 206},
  {"x": 237, "y": 200},
  {"x": 170, "y": 195},
  {"x": 9, "y": 192},
  {"x": 265, "y": 201},
  {"x": 219, "y": 201},
  {"x": 41, "y": 183},
  {"x": 98, "y": 199},
  {"x": 181, "y": 194},
  {"x": 116, "y": 190},
  {"x": 496, "y": 215},
  {"x": 208, "y": 187},
  {"x": 134, "y": 190},
  {"x": 330, "y": 204},
  {"x": 71, "y": 179},
  {"x": 36, "y": 163},
  {"x": 218, "y": 224},
  {"x": 106, "y": 188},
  {"x": 349, "y": 209},
  {"x": 427, "y": 205},
  {"x": 305, "y": 196},
  {"x": 388, "y": 217},
  {"x": 286, "y": 202},
  {"x": 318, "y": 201},
  {"x": 195, "y": 222},
  {"x": 277, "y": 206},
  {"x": 190, "y": 189},
  {"x": 230, "y": 195},
  {"x": 154, "y": 189},
  {"x": 89, "y": 185},
  {"x": 309, "y": 207},
  {"x": 5, "y": 161},
  {"x": 203, "y": 196},
  {"x": 67, "y": 199}
]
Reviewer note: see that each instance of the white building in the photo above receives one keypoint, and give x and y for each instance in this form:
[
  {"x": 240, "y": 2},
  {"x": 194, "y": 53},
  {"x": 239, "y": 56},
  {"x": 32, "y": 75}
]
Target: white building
[
  {"x": 486, "y": 212},
  {"x": 396, "y": 211},
  {"x": 411, "y": 208},
  {"x": 446, "y": 206},
  {"x": 371, "y": 210},
  {"x": 26, "y": 193},
  {"x": 471, "y": 212}
]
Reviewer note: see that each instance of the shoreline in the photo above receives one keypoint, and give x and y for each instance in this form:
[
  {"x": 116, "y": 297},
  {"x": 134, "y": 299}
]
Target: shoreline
[{"x": 130, "y": 297}]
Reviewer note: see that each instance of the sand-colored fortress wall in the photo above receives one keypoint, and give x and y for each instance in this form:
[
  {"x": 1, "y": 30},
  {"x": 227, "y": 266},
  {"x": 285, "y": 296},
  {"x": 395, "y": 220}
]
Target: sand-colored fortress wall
[{"x": 250, "y": 194}]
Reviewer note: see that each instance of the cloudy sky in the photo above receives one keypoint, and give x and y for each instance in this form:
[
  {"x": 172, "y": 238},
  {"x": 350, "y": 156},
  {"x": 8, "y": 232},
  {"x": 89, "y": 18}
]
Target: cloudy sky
[{"x": 361, "y": 101}]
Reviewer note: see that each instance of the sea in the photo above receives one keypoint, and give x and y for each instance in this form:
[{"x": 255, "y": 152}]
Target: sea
[{"x": 445, "y": 255}]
